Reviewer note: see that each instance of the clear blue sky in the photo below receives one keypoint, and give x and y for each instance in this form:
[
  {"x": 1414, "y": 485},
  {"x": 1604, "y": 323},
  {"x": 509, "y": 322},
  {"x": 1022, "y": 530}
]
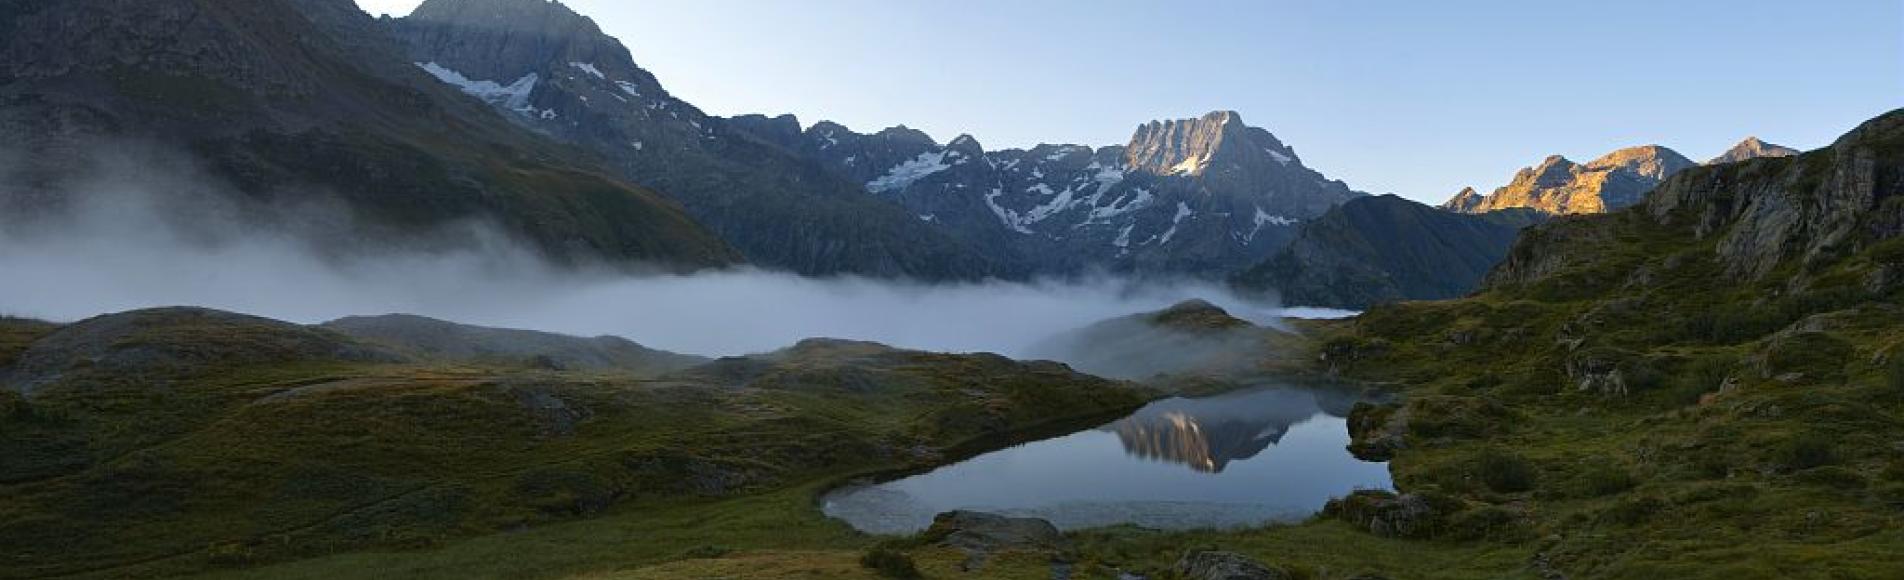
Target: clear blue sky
[{"x": 1409, "y": 97}]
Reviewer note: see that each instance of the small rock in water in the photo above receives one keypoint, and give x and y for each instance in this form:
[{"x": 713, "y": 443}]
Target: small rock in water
[{"x": 980, "y": 531}]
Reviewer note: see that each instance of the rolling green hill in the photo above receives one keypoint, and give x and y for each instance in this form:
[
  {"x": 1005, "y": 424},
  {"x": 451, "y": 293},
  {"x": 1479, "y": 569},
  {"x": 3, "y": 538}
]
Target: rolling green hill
[{"x": 173, "y": 441}]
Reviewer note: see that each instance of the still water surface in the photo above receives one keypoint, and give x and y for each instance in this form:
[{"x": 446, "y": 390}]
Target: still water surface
[{"x": 1243, "y": 458}]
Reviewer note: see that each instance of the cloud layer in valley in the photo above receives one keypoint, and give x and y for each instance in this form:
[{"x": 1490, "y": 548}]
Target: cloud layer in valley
[{"x": 139, "y": 232}]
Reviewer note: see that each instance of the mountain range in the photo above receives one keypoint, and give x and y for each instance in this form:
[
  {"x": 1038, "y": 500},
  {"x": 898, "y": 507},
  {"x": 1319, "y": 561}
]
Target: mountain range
[
  {"x": 1197, "y": 196},
  {"x": 1613, "y": 181},
  {"x": 525, "y": 114}
]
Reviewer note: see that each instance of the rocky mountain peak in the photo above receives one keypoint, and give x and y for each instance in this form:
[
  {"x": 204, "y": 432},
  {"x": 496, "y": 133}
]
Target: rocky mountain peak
[
  {"x": 1192, "y": 146},
  {"x": 1650, "y": 161},
  {"x": 1554, "y": 171},
  {"x": 1560, "y": 186},
  {"x": 782, "y": 130},
  {"x": 1752, "y": 148},
  {"x": 1464, "y": 201},
  {"x": 967, "y": 144},
  {"x": 904, "y": 134},
  {"x": 504, "y": 40}
]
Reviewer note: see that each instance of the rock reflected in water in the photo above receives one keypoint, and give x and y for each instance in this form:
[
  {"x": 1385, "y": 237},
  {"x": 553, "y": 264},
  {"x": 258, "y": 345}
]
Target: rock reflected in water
[{"x": 1273, "y": 453}]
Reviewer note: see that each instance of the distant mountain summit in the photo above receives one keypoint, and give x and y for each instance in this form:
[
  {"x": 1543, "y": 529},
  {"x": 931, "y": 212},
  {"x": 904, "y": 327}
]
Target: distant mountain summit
[
  {"x": 1752, "y": 148},
  {"x": 1188, "y": 196},
  {"x": 1560, "y": 186}
]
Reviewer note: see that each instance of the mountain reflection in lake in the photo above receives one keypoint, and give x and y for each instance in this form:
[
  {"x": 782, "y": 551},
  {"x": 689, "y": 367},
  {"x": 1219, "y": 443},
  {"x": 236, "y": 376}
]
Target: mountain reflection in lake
[{"x": 1242, "y": 458}]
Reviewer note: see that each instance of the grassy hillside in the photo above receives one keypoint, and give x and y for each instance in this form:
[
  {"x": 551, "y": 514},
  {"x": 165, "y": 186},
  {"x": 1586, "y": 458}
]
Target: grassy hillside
[
  {"x": 1709, "y": 385},
  {"x": 132, "y": 455}
]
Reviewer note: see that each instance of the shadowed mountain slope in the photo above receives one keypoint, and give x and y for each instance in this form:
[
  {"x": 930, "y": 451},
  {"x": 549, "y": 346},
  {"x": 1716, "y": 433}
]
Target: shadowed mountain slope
[{"x": 295, "y": 101}]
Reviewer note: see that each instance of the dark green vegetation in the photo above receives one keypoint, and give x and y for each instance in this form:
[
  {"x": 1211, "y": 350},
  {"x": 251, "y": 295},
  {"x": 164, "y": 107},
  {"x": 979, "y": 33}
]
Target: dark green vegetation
[
  {"x": 183, "y": 440},
  {"x": 1379, "y": 249},
  {"x": 302, "y": 103},
  {"x": 1706, "y": 385},
  {"x": 428, "y": 338},
  {"x": 890, "y": 563}
]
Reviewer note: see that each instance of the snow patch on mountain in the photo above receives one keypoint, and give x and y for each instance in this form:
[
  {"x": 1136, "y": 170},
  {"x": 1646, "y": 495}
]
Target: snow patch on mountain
[
  {"x": 1107, "y": 177},
  {"x": 514, "y": 96},
  {"x": 1188, "y": 165},
  {"x": 1183, "y": 211},
  {"x": 1263, "y": 218},
  {"x": 1123, "y": 238},
  {"x": 590, "y": 69},
  {"x": 1123, "y": 205},
  {"x": 1005, "y": 216},
  {"x": 912, "y": 170},
  {"x": 1056, "y": 205}
]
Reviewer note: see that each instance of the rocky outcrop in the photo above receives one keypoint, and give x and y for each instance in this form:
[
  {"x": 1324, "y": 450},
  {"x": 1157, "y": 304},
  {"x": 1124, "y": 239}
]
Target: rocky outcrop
[
  {"x": 1380, "y": 249},
  {"x": 1752, "y": 148},
  {"x": 983, "y": 532},
  {"x": 1809, "y": 207},
  {"x": 1389, "y": 515},
  {"x": 1218, "y": 565},
  {"x": 1559, "y": 186}
]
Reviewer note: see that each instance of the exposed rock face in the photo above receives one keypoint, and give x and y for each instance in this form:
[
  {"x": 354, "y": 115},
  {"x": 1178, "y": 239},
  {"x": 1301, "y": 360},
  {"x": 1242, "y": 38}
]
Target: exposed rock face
[
  {"x": 1216, "y": 565},
  {"x": 431, "y": 338},
  {"x": 289, "y": 100},
  {"x": 1752, "y": 148},
  {"x": 1465, "y": 201},
  {"x": 1559, "y": 186},
  {"x": 547, "y": 68},
  {"x": 1201, "y": 196},
  {"x": 1380, "y": 249},
  {"x": 1807, "y": 207},
  {"x": 1810, "y": 207}
]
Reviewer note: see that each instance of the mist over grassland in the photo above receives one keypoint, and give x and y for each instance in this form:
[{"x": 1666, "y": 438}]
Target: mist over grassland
[{"x": 129, "y": 228}]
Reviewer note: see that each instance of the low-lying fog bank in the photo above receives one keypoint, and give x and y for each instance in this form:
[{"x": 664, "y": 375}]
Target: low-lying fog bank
[{"x": 136, "y": 241}]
